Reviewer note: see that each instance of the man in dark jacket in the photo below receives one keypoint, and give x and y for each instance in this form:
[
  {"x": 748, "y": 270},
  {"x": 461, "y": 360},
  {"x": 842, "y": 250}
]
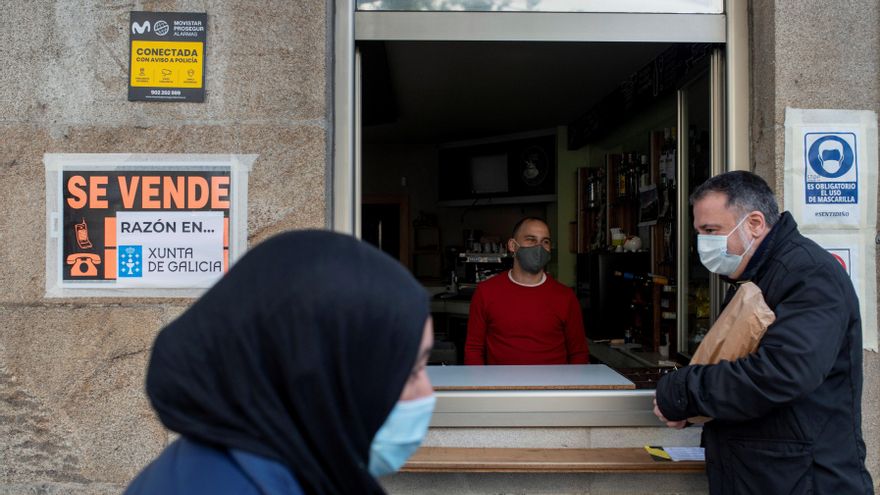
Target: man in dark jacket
[{"x": 787, "y": 418}]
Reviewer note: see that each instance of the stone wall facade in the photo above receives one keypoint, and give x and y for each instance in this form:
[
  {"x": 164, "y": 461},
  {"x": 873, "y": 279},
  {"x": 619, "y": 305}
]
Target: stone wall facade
[{"x": 73, "y": 414}]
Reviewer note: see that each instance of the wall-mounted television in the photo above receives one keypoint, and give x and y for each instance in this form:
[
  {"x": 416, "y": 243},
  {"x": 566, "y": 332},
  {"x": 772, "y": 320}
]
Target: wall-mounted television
[{"x": 489, "y": 173}]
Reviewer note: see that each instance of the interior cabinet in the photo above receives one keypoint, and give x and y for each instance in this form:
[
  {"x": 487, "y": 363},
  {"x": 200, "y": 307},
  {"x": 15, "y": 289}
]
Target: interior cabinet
[{"x": 631, "y": 295}]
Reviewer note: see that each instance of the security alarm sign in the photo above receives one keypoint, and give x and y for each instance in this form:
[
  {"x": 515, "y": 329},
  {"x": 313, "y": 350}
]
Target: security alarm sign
[
  {"x": 145, "y": 228},
  {"x": 167, "y": 60}
]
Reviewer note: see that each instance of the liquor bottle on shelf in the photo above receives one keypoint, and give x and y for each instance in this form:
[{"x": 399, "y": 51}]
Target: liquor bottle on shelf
[
  {"x": 593, "y": 186},
  {"x": 663, "y": 191},
  {"x": 667, "y": 154},
  {"x": 644, "y": 171},
  {"x": 632, "y": 177},
  {"x": 621, "y": 179},
  {"x": 667, "y": 169}
]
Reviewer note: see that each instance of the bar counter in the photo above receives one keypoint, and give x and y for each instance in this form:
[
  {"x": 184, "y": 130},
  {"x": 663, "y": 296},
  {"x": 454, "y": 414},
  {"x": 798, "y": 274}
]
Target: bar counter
[{"x": 566, "y": 395}]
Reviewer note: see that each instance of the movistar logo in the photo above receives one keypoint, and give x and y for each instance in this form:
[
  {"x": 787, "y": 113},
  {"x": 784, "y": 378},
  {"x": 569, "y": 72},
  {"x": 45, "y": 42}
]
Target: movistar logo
[{"x": 140, "y": 28}]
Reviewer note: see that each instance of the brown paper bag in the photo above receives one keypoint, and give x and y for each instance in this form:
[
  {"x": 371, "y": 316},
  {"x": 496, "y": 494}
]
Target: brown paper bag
[{"x": 737, "y": 331}]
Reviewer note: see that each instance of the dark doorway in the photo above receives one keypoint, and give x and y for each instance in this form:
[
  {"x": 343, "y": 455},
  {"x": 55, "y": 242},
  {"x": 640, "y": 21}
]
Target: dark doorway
[{"x": 384, "y": 224}]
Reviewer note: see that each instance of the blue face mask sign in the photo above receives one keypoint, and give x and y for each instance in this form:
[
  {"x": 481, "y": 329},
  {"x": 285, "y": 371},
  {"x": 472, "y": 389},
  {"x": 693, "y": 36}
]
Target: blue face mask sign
[
  {"x": 400, "y": 435},
  {"x": 831, "y": 171}
]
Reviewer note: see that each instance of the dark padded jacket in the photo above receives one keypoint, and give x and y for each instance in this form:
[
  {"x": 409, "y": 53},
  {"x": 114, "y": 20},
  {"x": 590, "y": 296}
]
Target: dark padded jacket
[
  {"x": 189, "y": 467},
  {"x": 787, "y": 417}
]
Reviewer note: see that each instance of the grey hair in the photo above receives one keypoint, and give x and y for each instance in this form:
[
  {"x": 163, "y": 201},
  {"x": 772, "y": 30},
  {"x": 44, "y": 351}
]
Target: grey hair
[{"x": 746, "y": 192}]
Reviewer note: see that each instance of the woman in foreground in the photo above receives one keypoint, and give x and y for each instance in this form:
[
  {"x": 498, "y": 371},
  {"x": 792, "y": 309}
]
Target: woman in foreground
[{"x": 279, "y": 378}]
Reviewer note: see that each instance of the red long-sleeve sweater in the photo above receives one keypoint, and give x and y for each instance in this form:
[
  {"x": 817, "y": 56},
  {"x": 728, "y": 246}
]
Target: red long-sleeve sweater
[{"x": 515, "y": 324}]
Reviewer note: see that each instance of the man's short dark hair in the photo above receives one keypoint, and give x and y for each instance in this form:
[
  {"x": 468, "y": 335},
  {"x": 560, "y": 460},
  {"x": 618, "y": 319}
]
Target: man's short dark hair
[
  {"x": 746, "y": 192},
  {"x": 524, "y": 220}
]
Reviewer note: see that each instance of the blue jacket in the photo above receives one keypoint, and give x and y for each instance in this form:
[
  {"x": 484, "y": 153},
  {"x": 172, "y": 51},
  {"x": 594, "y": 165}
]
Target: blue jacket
[
  {"x": 788, "y": 418},
  {"x": 190, "y": 467}
]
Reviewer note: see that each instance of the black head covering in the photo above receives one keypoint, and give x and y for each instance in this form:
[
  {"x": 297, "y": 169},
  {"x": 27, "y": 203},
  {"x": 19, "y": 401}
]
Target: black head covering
[{"x": 299, "y": 354}]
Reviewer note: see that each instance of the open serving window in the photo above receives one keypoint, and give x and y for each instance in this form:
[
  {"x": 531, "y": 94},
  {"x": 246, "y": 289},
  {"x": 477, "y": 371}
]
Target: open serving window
[{"x": 453, "y": 132}]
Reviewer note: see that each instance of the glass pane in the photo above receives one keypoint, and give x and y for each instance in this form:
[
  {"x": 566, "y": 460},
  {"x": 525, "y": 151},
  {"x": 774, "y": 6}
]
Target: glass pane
[
  {"x": 640, "y": 6},
  {"x": 697, "y": 157}
]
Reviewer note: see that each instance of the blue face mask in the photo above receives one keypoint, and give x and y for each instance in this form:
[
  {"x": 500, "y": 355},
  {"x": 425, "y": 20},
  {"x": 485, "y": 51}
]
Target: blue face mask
[{"x": 400, "y": 435}]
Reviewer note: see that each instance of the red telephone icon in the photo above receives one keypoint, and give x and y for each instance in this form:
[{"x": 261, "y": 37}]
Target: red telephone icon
[{"x": 83, "y": 264}]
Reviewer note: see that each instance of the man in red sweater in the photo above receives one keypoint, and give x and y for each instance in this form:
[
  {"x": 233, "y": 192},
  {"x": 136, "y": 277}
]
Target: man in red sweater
[{"x": 524, "y": 316}]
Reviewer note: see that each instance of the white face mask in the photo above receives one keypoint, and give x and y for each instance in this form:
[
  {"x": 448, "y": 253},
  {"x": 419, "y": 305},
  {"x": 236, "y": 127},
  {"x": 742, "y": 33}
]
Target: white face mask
[{"x": 714, "y": 255}]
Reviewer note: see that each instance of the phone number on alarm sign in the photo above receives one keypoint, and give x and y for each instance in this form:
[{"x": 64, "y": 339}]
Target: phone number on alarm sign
[{"x": 165, "y": 92}]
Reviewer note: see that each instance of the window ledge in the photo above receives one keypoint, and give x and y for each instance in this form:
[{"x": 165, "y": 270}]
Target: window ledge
[{"x": 507, "y": 460}]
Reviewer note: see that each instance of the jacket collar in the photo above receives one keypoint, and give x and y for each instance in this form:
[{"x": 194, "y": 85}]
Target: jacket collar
[{"x": 781, "y": 232}]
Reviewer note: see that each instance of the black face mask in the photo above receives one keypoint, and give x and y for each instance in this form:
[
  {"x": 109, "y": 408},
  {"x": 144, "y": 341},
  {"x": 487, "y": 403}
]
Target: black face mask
[{"x": 532, "y": 259}]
